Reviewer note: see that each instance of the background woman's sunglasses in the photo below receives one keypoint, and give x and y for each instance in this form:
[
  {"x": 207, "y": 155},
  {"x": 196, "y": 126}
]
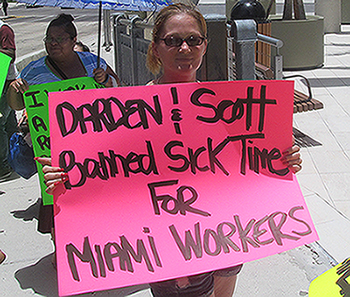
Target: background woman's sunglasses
[
  {"x": 59, "y": 40},
  {"x": 177, "y": 41}
]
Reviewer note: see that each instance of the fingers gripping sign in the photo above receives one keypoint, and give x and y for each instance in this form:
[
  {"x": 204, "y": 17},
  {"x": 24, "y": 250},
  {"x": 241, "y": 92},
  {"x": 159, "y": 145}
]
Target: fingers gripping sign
[{"x": 53, "y": 176}]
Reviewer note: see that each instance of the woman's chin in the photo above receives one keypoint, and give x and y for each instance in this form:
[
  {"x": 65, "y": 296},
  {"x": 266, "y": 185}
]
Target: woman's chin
[{"x": 54, "y": 54}]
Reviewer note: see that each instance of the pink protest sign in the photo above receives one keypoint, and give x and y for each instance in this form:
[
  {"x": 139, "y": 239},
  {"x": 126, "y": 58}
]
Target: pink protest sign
[{"x": 172, "y": 180}]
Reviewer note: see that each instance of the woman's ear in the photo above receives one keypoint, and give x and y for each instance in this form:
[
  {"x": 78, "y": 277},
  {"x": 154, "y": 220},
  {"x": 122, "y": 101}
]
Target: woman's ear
[
  {"x": 155, "y": 49},
  {"x": 205, "y": 46}
]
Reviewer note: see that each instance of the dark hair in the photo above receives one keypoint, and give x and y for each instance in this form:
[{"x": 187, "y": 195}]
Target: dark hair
[
  {"x": 153, "y": 63},
  {"x": 65, "y": 21},
  {"x": 84, "y": 47}
]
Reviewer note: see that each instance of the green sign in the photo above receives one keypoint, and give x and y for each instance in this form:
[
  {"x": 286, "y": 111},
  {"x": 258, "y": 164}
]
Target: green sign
[
  {"x": 4, "y": 68},
  {"x": 36, "y": 102}
]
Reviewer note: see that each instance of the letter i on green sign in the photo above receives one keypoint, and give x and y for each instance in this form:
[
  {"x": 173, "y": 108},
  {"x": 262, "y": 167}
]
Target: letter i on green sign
[{"x": 37, "y": 106}]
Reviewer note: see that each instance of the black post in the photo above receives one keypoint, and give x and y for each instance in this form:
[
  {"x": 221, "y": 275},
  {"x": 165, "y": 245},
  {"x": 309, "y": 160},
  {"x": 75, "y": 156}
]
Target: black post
[{"x": 99, "y": 34}]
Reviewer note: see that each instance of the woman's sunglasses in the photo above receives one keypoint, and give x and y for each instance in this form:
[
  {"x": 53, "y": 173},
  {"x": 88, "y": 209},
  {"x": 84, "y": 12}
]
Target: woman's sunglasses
[
  {"x": 59, "y": 40},
  {"x": 177, "y": 41}
]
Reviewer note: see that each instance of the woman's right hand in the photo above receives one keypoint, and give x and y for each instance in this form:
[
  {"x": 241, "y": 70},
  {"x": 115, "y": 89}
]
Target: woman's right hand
[
  {"x": 53, "y": 175},
  {"x": 19, "y": 85}
]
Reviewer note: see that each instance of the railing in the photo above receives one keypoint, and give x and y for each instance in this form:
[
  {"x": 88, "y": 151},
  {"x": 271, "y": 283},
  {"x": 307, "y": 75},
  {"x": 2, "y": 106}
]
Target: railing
[
  {"x": 130, "y": 49},
  {"x": 278, "y": 61},
  {"x": 242, "y": 36}
]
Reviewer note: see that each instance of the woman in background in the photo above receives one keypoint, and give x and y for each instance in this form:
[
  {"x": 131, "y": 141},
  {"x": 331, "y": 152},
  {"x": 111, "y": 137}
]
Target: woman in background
[{"x": 61, "y": 63}]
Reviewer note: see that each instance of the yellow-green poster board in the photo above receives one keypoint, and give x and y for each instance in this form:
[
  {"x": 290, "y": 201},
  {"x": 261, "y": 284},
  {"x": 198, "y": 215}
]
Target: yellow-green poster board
[
  {"x": 334, "y": 282},
  {"x": 36, "y": 102}
]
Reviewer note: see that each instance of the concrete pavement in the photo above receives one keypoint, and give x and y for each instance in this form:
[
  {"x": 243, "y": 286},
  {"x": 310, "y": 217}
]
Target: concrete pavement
[{"x": 27, "y": 271}]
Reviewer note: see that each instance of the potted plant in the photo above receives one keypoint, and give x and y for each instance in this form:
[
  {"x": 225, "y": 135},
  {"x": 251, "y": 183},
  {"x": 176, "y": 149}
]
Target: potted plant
[{"x": 301, "y": 34}]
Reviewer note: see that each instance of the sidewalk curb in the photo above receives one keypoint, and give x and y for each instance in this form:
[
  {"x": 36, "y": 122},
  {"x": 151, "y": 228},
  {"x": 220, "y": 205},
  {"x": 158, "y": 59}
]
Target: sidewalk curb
[{"x": 23, "y": 61}]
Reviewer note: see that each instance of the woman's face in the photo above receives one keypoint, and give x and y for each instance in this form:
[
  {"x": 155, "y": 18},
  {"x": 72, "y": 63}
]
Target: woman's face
[
  {"x": 184, "y": 59},
  {"x": 58, "y": 43}
]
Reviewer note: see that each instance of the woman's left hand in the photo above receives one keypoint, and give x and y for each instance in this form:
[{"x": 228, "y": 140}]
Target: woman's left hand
[
  {"x": 53, "y": 175},
  {"x": 291, "y": 158}
]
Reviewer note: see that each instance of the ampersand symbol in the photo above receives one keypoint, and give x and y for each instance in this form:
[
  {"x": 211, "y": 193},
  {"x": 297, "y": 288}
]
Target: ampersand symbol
[{"x": 176, "y": 115}]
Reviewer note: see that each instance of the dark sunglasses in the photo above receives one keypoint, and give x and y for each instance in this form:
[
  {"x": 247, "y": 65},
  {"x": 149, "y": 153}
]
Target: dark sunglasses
[
  {"x": 59, "y": 40},
  {"x": 177, "y": 41}
]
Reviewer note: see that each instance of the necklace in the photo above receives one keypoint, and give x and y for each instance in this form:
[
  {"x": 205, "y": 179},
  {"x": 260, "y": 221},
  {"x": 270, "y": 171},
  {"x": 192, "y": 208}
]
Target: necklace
[{"x": 55, "y": 66}]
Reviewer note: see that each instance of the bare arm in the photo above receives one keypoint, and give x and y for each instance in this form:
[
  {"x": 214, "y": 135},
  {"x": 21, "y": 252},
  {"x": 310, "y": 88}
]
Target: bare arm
[{"x": 15, "y": 92}]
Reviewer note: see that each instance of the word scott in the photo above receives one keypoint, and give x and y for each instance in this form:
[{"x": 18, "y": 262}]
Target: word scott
[{"x": 237, "y": 107}]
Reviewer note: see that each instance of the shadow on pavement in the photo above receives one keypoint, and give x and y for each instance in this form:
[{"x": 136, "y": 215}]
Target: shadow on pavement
[
  {"x": 42, "y": 279},
  {"x": 328, "y": 82},
  {"x": 13, "y": 176},
  {"x": 32, "y": 212}
]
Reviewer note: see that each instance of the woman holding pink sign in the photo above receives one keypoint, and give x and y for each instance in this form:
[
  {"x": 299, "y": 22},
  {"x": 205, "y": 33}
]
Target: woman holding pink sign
[
  {"x": 178, "y": 46},
  {"x": 179, "y": 42}
]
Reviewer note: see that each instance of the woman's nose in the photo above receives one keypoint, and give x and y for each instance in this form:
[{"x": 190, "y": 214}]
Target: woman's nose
[{"x": 184, "y": 46}]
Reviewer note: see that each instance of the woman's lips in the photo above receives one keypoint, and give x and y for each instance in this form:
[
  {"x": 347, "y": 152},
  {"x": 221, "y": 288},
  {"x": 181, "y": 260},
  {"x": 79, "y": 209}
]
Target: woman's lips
[{"x": 184, "y": 60}]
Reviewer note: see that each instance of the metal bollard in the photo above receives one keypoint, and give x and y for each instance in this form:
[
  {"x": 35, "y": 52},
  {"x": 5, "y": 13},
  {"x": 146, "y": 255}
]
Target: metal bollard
[
  {"x": 244, "y": 37},
  {"x": 118, "y": 31},
  {"x": 107, "y": 30},
  {"x": 135, "y": 33}
]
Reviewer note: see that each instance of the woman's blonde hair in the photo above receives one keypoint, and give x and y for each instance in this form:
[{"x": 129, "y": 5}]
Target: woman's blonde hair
[{"x": 153, "y": 63}]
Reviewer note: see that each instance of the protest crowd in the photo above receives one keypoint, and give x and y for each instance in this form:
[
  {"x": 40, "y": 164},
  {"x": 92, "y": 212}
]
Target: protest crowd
[{"x": 179, "y": 42}]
